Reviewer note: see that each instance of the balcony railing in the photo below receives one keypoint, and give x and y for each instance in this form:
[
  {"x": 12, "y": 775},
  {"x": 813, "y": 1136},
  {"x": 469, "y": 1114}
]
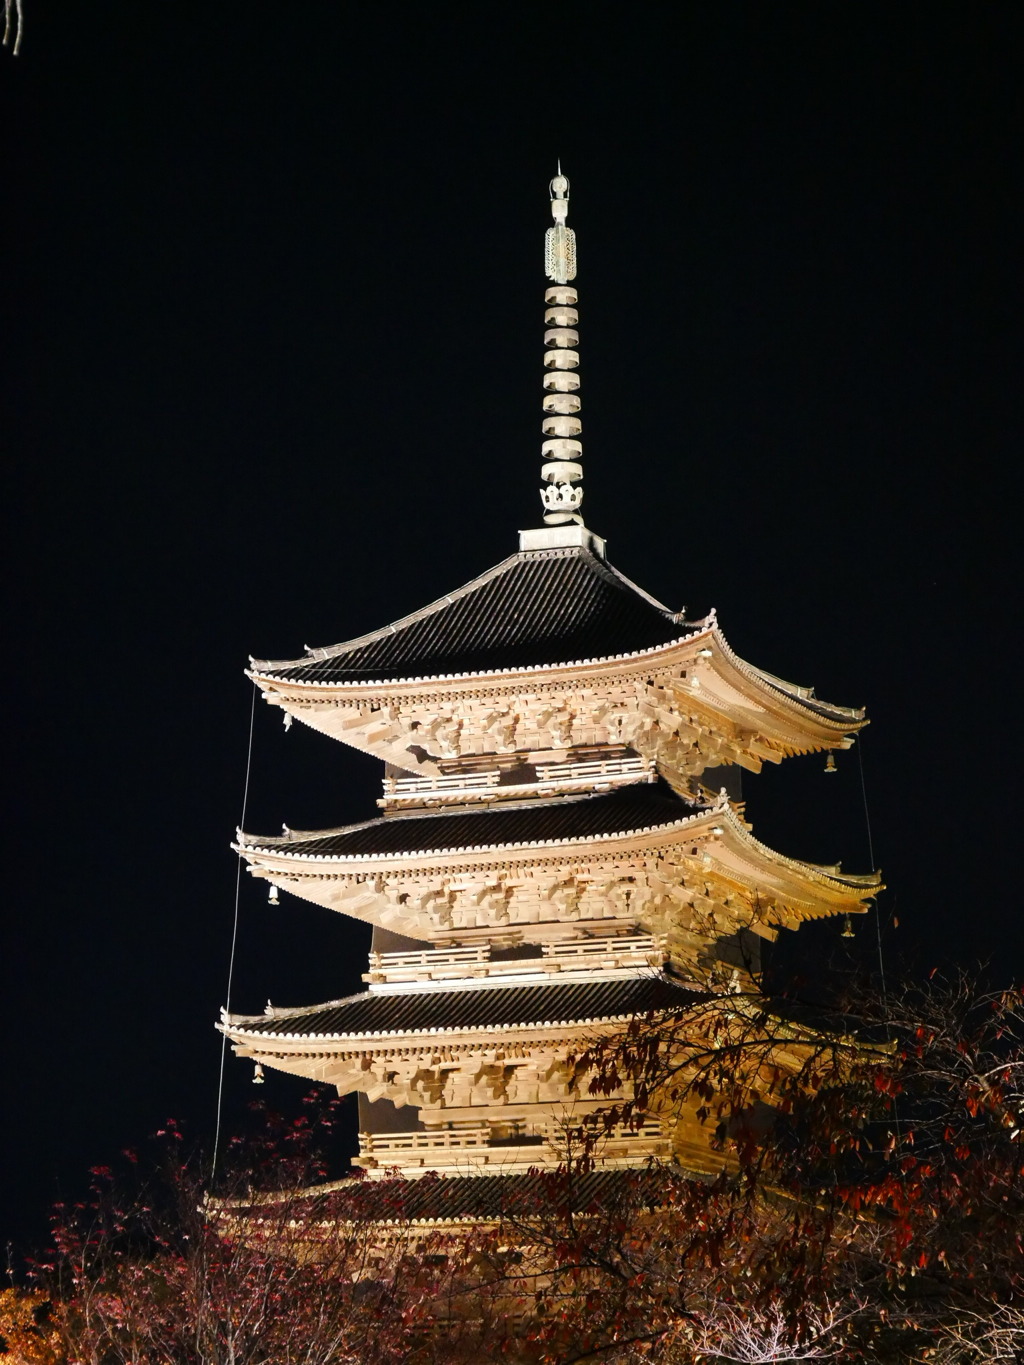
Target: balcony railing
[
  {"x": 598, "y": 774},
  {"x": 450, "y": 1148},
  {"x": 474, "y": 963},
  {"x": 411, "y": 786},
  {"x": 633, "y": 766},
  {"x": 423, "y": 1140}
]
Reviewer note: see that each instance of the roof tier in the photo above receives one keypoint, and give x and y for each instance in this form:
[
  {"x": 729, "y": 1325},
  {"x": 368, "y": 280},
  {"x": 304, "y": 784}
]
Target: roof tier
[
  {"x": 639, "y": 805},
  {"x": 487, "y": 1071},
  {"x": 536, "y": 607},
  {"x": 357, "y": 1019},
  {"x": 387, "y": 1045},
  {"x": 550, "y": 651},
  {"x": 485, "y": 1066},
  {"x": 635, "y": 859},
  {"x": 455, "y": 1198}
]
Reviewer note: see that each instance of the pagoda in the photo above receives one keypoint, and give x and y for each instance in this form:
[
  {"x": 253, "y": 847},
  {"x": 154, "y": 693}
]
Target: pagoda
[{"x": 559, "y": 845}]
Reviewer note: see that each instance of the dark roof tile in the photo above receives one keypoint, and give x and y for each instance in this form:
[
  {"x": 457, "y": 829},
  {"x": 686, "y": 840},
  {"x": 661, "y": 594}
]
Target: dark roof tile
[
  {"x": 535, "y": 608},
  {"x": 639, "y": 806},
  {"x": 435, "y": 1197},
  {"x": 487, "y": 1007}
]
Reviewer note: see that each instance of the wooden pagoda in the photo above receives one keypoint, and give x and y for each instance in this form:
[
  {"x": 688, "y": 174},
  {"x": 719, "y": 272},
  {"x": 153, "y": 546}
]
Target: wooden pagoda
[{"x": 558, "y": 847}]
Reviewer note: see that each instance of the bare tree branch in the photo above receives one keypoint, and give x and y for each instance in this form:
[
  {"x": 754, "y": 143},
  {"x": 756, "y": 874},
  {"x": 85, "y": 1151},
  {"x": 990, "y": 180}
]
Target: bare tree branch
[{"x": 13, "y": 24}]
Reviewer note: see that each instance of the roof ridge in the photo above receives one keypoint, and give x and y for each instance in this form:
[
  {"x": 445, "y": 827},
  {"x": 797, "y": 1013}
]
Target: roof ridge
[
  {"x": 286, "y": 1011},
  {"x": 594, "y": 564},
  {"x": 794, "y": 691},
  {"x": 647, "y": 789},
  {"x": 693, "y": 628},
  {"x": 347, "y": 646},
  {"x": 722, "y": 809},
  {"x": 817, "y": 870},
  {"x": 247, "y": 1023},
  {"x": 614, "y": 575}
]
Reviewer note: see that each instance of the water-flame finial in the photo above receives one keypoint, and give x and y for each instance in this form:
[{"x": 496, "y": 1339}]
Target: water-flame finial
[
  {"x": 561, "y": 472},
  {"x": 560, "y": 241}
]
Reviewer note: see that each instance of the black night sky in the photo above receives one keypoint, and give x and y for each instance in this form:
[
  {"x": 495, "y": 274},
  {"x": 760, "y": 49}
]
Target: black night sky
[{"x": 273, "y": 330}]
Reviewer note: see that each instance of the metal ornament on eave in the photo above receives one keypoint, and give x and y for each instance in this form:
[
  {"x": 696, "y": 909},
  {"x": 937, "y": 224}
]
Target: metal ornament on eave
[{"x": 562, "y": 473}]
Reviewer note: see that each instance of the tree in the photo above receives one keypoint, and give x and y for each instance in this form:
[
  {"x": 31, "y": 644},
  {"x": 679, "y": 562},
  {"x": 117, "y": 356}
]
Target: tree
[
  {"x": 874, "y": 1166},
  {"x": 150, "y": 1269},
  {"x": 868, "y": 1206},
  {"x": 30, "y": 1328}
]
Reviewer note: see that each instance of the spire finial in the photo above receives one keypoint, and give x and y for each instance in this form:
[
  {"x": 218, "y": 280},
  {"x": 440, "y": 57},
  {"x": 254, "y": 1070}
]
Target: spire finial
[
  {"x": 561, "y": 471},
  {"x": 560, "y": 242}
]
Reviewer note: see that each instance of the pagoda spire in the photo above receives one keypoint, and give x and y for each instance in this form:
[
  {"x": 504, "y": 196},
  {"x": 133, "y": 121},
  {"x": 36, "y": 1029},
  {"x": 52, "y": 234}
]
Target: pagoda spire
[{"x": 562, "y": 472}]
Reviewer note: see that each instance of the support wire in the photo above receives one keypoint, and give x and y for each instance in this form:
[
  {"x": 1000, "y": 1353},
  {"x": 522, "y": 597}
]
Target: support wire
[{"x": 234, "y": 945}]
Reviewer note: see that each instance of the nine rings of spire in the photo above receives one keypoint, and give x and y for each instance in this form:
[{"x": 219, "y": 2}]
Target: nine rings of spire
[{"x": 562, "y": 451}]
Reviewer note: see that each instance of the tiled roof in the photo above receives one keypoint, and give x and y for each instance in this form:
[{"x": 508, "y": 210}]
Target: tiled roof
[
  {"x": 537, "y": 607},
  {"x": 439, "y": 1197},
  {"x": 482, "y": 1007},
  {"x": 641, "y": 806}
]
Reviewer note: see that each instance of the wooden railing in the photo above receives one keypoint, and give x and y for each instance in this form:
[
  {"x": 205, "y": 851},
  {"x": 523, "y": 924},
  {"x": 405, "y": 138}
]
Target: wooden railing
[
  {"x": 423, "y": 1140},
  {"x": 411, "y": 786},
  {"x": 576, "y": 955},
  {"x": 602, "y": 947},
  {"x": 450, "y": 1147},
  {"x": 429, "y": 957},
  {"x": 634, "y": 766},
  {"x": 597, "y": 773}
]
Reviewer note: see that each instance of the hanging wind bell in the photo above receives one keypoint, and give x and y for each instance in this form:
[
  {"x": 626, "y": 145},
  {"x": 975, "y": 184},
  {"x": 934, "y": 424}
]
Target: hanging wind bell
[
  {"x": 830, "y": 763},
  {"x": 272, "y": 895},
  {"x": 847, "y": 927},
  {"x": 257, "y": 1075}
]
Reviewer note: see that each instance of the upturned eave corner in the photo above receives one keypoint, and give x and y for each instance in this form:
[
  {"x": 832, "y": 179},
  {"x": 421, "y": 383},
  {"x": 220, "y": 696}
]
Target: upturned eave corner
[
  {"x": 703, "y": 873},
  {"x": 686, "y": 705}
]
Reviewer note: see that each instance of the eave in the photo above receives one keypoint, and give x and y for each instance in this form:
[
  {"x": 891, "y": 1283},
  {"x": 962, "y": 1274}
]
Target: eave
[
  {"x": 756, "y": 715},
  {"x": 787, "y": 891},
  {"x": 591, "y": 1004}
]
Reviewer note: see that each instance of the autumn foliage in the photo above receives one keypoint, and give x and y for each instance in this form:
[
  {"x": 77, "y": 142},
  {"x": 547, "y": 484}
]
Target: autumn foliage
[
  {"x": 31, "y": 1328},
  {"x": 868, "y": 1206},
  {"x": 873, "y": 1204}
]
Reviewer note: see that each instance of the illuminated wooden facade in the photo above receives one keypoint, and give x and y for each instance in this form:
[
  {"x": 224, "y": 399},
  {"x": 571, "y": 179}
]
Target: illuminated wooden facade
[{"x": 555, "y": 850}]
